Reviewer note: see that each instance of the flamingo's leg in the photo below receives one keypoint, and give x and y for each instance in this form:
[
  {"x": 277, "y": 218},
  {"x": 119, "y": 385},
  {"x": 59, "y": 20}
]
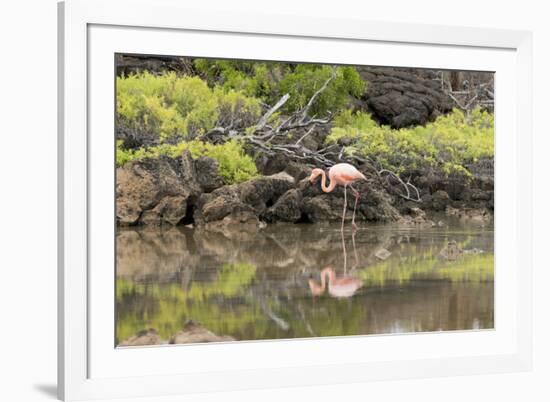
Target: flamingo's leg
[
  {"x": 357, "y": 195},
  {"x": 345, "y": 205}
]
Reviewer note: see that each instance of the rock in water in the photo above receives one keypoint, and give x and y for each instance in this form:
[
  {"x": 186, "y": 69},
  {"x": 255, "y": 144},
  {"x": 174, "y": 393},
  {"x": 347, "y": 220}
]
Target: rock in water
[
  {"x": 451, "y": 251},
  {"x": 143, "y": 338},
  {"x": 416, "y": 217},
  {"x": 382, "y": 254},
  {"x": 195, "y": 333}
]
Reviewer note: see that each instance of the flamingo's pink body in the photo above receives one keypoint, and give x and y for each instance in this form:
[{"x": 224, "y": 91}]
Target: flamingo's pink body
[
  {"x": 337, "y": 287},
  {"x": 342, "y": 174}
]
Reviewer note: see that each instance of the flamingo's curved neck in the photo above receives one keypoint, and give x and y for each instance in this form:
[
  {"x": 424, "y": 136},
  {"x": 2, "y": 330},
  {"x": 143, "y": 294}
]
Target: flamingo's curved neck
[
  {"x": 324, "y": 187},
  {"x": 331, "y": 277}
]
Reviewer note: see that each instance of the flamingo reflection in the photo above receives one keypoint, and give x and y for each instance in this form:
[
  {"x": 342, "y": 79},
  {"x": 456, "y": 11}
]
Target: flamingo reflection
[{"x": 345, "y": 286}]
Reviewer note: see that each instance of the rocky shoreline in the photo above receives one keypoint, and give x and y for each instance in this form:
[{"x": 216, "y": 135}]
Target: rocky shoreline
[
  {"x": 192, "y": 332},
  {"x": 186, "y": 191}
]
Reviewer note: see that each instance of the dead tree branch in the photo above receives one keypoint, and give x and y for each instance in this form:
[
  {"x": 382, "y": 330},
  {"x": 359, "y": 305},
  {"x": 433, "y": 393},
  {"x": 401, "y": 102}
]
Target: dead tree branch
[
  {"x": 470, "y": 95},
  {"x": 306, "y": 134},
  {"x": 408, "y": 186},
  {"x": 312, "y": 100},
  {"x": 263, "y": 121}
]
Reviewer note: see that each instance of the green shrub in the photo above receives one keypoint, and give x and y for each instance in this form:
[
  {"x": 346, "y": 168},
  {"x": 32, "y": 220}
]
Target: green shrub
[
  {"x": 251, "y": 78},
  {"x": 306, "y": 79},
  {"x": 235, "y": 166},
  {"x": 173, "y": 108},
  {"x": 271, "y": 80},
  {"x": 449, "y": 143},
  {"x": 235, "y": 109}
]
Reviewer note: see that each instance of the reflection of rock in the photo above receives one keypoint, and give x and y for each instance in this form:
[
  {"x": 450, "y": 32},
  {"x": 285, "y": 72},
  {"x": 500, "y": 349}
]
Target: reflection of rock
[
  {"x": 296, "y": 247},
  {"x": 195, "y": 333},
  {"x": 451, "y": 251},
  {"x": 143, "y": 338},
  {"x": 139, "y": 253},
  {"x": 157, "y": 188}
]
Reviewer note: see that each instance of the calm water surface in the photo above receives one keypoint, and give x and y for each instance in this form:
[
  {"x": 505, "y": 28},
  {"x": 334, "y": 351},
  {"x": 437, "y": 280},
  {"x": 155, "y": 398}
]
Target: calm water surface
[{"x": 267, "y": 285}]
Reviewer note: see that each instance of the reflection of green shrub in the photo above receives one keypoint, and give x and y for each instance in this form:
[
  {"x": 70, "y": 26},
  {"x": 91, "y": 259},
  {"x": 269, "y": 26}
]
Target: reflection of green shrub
[
  {"x": 448, "y": 143},
  {"x": 466, "y": 268},
  {"x": 167, "y": 307},
  {"x": 235, "y": 165},
  {"x": 270, "y": 80},
  {"x": 172, "y": 107},
  {"x": 232, "y": 280}
]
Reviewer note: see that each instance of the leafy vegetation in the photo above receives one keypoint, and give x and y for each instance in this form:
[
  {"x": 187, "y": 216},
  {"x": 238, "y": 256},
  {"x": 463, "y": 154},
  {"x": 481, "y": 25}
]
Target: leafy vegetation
[
  {"x": 307, "y": 79},
  {"x": 173, "y": 108},
  {"x": 449, "y": 143},
  {"x": 269, "y": 81},
  {"x": 235, "y": 166},
  {"x": 176, "y": 110}
]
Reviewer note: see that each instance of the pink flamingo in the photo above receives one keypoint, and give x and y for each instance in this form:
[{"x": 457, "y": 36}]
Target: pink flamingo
[
  {"x": 337, "y": 287},
  {"x": 342, "y": 174}
]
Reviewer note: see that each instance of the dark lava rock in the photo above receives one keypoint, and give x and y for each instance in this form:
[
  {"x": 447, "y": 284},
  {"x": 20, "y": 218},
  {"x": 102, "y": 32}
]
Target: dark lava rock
[
  {"x": 374, "y": 204},
  {"x": 439, "y": 200},
  {"x": 402, "y": 97},
  {"x": 208, "y": 176},
  {"x": 239, "y": 201},
  {"x": 128, "y": 64},
  {"x": 287, "y": 207},
  {"x": 155, "y": 191},
  {"x": 171, "y": 209}
]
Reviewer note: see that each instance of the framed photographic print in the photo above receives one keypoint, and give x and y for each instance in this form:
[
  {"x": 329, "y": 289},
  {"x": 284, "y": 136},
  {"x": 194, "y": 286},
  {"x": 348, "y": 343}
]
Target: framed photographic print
[{"x": 243, "y": 198}]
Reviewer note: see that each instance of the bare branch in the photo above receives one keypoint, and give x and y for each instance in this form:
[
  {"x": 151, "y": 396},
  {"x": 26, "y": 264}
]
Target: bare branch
[
  {"x": 306, "y": 134},
  {"x": 269, "y": 113},
  {"x": 316, "y": 94},
  {"x": 406, "y": 185}
]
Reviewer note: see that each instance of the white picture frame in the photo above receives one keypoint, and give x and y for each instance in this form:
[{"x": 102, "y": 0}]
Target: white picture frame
[{"x": 92, "y": 31}]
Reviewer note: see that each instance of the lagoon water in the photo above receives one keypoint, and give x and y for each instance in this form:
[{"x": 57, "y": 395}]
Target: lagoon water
[{"x": 267, "y": 284}]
